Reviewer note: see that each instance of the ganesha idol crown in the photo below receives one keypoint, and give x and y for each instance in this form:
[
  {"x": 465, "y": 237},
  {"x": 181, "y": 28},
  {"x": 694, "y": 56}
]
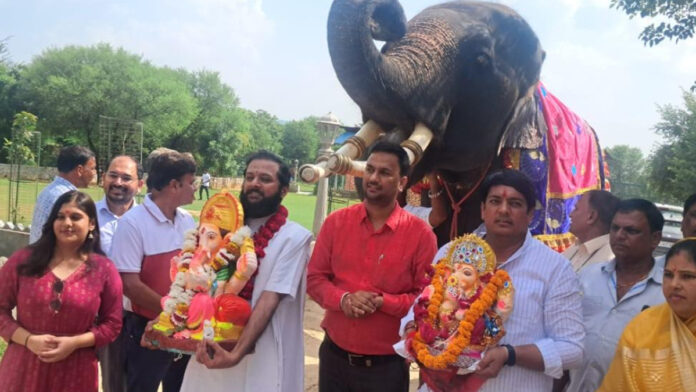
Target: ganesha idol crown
[{"x": 472, "y": 250}]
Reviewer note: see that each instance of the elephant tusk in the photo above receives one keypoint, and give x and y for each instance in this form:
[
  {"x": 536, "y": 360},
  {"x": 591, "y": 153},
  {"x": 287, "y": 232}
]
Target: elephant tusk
[
  {"x": 356, "y": 146},
  {"x": 312, "y": 173},
  {"x": 341, "y": 164},
  {"x": 417, "y": 143},
  {"x": 342, "y": 160}
]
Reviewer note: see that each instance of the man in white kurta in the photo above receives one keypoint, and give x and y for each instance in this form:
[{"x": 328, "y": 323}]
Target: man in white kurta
[{"x": 277, "y": 360}]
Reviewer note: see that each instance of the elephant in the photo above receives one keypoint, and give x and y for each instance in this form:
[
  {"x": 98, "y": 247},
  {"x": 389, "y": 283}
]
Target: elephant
[{"x": 457, "y": 85}]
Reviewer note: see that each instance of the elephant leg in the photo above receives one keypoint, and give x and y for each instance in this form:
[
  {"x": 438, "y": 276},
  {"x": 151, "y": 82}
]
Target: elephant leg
[
  {"x": 341, "y": 160},
  {"x": 416, "y": 144}
]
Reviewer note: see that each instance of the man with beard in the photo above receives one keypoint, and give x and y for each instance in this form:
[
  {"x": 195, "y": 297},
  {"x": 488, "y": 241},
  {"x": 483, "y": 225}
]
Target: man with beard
[
  {"x": 269, "y": 355},
  {"x": 121, "y": 182},
  {"x": 368, "y": 266}
]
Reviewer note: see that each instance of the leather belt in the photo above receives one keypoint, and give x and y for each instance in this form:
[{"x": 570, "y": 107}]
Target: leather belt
[{"x": 359, "y": 359}]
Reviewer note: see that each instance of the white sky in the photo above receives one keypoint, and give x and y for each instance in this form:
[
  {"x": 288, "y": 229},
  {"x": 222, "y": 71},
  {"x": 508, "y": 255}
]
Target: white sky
[{"x": 274, "y": 53}]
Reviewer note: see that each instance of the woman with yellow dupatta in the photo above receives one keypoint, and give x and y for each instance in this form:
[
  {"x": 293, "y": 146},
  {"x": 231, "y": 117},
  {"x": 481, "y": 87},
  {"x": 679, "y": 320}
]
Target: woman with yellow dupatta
[{"x": 657, "y": 351}]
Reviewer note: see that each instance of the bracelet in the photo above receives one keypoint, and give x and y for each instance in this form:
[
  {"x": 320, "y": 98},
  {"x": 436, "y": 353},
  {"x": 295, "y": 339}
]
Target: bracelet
[
  {"x": 26, "y": 340},
  {"x": 512, "y": 356},
  {"x": 432, "y": 196},
  {"x": 239, "y": 276},
  {"x": 340, "y": 303}
]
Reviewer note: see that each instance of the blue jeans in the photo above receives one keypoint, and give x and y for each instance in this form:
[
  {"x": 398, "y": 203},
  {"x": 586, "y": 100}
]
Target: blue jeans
[{"x": 146, "y": 368}]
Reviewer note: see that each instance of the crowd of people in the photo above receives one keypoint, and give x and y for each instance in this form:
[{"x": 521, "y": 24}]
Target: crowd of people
[{"x": 604, "y": 315}]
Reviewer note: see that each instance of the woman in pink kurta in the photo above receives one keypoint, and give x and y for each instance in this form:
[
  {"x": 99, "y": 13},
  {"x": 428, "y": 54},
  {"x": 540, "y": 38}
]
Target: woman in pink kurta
[{"x": 64, "y": 308}]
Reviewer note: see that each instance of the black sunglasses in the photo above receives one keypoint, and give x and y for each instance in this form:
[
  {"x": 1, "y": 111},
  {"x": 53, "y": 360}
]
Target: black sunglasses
[{"x": 56, "y": 303}]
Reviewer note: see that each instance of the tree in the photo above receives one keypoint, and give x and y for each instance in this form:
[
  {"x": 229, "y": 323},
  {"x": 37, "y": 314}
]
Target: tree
[
  {"x": 681, "y": 16},
  {"x": 671, "y": 170},
  {"x": 19, "y": 148},
  {"x": 68, "y": 88},
  {"x": 681, "y": 13},
  {"x": 8, "y": 87},
  {"x": 300, "y": 140},
  {"x": 626, "y": 166}
]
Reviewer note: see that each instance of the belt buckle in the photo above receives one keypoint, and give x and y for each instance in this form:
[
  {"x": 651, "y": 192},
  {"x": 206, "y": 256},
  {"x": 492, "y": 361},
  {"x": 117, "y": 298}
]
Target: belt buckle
[{"x": 366, "y": 362}]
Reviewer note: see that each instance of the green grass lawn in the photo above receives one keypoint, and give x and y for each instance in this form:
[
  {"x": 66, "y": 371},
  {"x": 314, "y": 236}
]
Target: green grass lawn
[
  {"x": 3, "y": 346},
  {"x": 300, "y": 206}
]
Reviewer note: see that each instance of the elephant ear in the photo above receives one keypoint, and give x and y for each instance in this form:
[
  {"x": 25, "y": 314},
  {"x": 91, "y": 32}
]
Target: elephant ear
[{"x": 526, "y": 128}]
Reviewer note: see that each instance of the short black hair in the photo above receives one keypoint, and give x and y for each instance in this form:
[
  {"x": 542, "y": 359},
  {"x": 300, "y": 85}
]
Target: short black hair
[
  {"x": 514, "y": 179},
  {"x": 138, "y": 167},
  {"x": 394, "y": 149},
  {"x": 690, "y": 201},
  {"x": 71, "y": 157},
  {"x": 605, "y": 203},
  {"x": 655, "y": 219},
  {"x": 687, "y": 245},
  {"x": 283, "y": 169},
  {"x": 168, "y": 165}
]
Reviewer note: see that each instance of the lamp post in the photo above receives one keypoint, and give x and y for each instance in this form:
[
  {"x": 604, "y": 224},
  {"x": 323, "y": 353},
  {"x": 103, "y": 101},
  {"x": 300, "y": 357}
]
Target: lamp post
[{"x": 328, "y": 128}]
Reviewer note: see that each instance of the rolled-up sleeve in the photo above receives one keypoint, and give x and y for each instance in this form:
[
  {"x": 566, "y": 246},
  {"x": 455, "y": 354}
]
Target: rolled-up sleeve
[{"x": 562, "y": 348}]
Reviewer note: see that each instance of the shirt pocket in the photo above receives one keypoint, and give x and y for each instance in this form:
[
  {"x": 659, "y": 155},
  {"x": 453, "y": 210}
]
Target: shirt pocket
[{"x": 392, "y": 273}]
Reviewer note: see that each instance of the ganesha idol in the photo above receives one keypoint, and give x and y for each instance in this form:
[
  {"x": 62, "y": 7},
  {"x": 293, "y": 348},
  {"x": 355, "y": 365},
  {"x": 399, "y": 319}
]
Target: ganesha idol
[
  {"x": 459, "y": 315},
  {"x": 216, "y": 261}
]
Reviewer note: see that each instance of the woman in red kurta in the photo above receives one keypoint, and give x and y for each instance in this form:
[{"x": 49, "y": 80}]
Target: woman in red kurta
[{"x": 68, "y": 298}]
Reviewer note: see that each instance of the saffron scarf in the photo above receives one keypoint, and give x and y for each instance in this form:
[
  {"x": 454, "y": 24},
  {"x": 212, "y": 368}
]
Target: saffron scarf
[{"x": 657, "y": 352}]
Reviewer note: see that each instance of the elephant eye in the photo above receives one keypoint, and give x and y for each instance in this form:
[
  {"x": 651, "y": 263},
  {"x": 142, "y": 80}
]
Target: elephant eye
[{"x": 483, "y": 60}]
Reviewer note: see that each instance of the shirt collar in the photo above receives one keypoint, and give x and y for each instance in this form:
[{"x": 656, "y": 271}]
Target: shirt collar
[
  {"x": 62, "y": 181},
  {"x": 102, "y": 205},
  {"x": 392, "y": 222},
  {"x": 655, "y": 273},
  {"x": 154, "y": 210},
  {"x": 596, "y": 243},
  {"x": 481, "y": 232}
]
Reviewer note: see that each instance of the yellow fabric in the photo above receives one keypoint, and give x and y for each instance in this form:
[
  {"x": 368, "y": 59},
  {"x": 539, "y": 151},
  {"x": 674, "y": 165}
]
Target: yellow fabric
[{"x": 657, "y": 352}]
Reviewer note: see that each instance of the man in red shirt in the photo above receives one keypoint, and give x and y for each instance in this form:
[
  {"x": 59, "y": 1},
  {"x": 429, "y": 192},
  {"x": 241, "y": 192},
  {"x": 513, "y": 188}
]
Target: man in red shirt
[{"x": 367, "y": 268}]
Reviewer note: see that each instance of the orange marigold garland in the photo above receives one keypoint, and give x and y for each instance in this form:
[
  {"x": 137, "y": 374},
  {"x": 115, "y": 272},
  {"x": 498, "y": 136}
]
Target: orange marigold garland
[
  {"x": 446, "y": 332},
  {"x": 459, "y": 343}
]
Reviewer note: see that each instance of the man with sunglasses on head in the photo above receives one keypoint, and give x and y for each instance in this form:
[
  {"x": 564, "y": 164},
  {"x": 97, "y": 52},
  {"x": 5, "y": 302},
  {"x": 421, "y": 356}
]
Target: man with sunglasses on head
[
  {"x": 147, "y": 238},
  {"x": 121, "y": 182}
]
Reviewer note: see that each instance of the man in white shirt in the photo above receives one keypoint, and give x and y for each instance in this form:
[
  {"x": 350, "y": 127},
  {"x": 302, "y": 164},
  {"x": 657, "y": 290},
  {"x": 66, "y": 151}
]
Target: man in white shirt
[
  {"x": 269, "y": 355},
  {"x": 121, "y": 182},
  {"x": 76, "y": 169},
  {"x": 148, "y": 236},
  {"x": 544, "y": 334},
  {"x": 590, "y": 220},
  {"x": 205, "y": 185}
]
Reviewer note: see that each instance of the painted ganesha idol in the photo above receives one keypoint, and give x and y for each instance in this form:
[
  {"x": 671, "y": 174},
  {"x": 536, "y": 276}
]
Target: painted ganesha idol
[
  {"x": 459, "y": 315},
  {"x": 215, "y": 263}
]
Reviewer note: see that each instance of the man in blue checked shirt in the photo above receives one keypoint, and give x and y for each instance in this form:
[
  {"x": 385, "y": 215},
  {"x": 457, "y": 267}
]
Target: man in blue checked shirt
[{"x": 617, "y": 290}]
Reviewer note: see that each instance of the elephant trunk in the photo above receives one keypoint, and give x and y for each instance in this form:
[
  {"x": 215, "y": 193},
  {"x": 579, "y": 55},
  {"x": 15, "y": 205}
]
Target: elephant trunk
[{"x": 363, "y": 71}]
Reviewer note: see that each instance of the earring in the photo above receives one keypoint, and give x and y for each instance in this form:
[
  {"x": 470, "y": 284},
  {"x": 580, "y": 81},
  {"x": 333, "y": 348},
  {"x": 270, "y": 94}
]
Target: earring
[{"x": 90, "y": 235}]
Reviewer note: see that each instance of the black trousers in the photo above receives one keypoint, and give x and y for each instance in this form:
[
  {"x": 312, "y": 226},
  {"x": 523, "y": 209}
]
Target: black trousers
[
  {"x": 336, "y": 374},
  {"x": 200, "y": 192},
  {"x": 146, "y": 368}
]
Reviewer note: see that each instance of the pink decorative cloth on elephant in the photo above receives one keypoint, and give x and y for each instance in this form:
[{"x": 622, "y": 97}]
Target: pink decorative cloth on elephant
[{"x": 568, "y": 163}]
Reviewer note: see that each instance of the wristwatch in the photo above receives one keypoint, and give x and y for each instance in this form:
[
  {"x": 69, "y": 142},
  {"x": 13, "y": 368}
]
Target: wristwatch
[{"x": 512, "y": 357}]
